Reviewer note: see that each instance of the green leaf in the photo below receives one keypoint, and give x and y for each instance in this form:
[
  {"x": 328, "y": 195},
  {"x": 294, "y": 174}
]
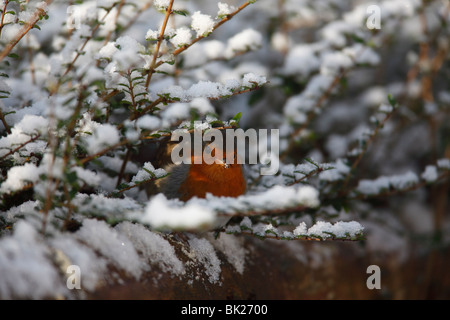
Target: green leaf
[
  {"x": 13, "y": 55},
  {"x": 122, "y": 186},
  {"x": 237, "y": 117},
  {"x": 393, "y": 102},
  {"x": 72, "y": 177},
  {"x": 181, "y": 12}
]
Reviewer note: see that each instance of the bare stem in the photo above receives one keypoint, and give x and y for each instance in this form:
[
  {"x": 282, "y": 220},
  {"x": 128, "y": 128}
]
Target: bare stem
[
  {"x": 186, "y": 46},
  {"x": 22, "y": 32},
  {"x": 158, "y": 44},
  {"x": 5, "y": 124},
  {"x": 21, "y": 146}
]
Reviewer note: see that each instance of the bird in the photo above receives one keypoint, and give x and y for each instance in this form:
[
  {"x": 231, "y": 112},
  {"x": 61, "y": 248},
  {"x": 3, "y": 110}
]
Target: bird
[{"x": 197, "y": 179}]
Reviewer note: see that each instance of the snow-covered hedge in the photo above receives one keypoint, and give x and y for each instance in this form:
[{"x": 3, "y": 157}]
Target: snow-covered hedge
[{"x": 361, "y": 102}]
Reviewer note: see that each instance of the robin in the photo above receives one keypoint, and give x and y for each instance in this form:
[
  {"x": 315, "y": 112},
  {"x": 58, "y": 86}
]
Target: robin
[{"x": 186, "y": 181}]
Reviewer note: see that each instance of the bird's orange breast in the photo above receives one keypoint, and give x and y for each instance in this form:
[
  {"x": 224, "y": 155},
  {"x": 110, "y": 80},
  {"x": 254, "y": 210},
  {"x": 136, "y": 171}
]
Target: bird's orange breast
[{"x": 214, "y": 179}]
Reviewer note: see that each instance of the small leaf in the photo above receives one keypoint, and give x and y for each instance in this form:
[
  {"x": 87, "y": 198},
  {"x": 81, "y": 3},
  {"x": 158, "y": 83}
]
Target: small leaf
[
  {"x": 181, "y": 12},
  {"x": 237, "y": 117},
  {"x": 392, "y": 101},
  {"x": 72, "y": 177}
]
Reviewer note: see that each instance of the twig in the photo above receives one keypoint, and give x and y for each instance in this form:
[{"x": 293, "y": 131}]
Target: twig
[
  {"x": 102, "y": 152},
  {"x": 309, "y": 175},
  {"x": 5, "y": 124},
  {"x": 166, "y": 100},
  {"x": 158, "y": 44},
  {"x": 272, "y": 212},
  {"x": 21, "y": 146},
  {"x": 364, "y": 150},
  {"x": 311, "y": 115},
  {"x": 186, "y": 46},
  {"x": 27, "y": 27},
  {"x": 399, "y": 191},
  {"x": 304, "y": 238},
  {"x": 78, "y": 53},
  {"x": 3, "y": 15},
  {"x": 124, "y": 165}
]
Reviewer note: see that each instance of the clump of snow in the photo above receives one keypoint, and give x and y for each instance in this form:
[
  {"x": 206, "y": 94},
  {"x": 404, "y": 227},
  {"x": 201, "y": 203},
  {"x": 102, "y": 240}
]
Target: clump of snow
[
  {"x": 339, "y": 229},
  {"x": 152, "y": 247},
  {"x": 250, "y": 80},
  {"x": 430, "y": 174},
  {"x": 370, "y": 187},
  {"x": 93, "y": 267},
  {"x": 234, "y": 250},
  {"x": 148, "y": 172},
  {"x": 204, "y": 252},
  {"x": 326, "y": 230},
  {"x": 19, "y": 176},
  {"x": 339, "y": 172},
  {"x": 335, "y": 62},
  {"x": 163, "y": 213},
  {"x": 203, "y": 24},
  {"x": 212, "y": 90},
  {"x": 115, "y": 247},
  {"x": 104, "y": 135},
  {"x": 182, "y": 37},
  {"x": 444, "y": 163},
  {"x": 148, "y": 122},
  {"x": 27, "y": 271},
  {"x": 276, "y": 197},
  {"x": 301, "y": 61},
  {"x": 161, "y": 4},
  {"x": 246, "y": 40}
]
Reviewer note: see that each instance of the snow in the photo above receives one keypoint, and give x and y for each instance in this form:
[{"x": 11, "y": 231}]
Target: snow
[
  {"x": 27, "y": 271},
  {"x": 339, "y": 172},
  {"x": 162, "y": 213},
  {"x": 250, "y": 80},
  {"x": 224, "y": 9},
  {"x": 234, "y": 250},
  {"x": 103, "y": 136},
  {"x": 444, "y": 163},
  {"x": 89, "y": 177},
  {"x": 385, "y": 108},
  {"x": 335, "y": 62},
  {"x": 203, "y": 24},
  {"x": 148, "y": 122},
  {"x": 182, "y": 37},
  {"x": 304, "y": 54},
  {"x": 430, "y": 174},
  {"x": 203, "y": 251},
  {"x": 148, "y": 172},
  {"x": 19, "y": 176},
  {"x": 115, "y": 247},
  {"x": 339, "y": 229},
  {"x": 383, "y": 183},
  {"x": 246, "y": 40},
  {"x": 152, "y": 247},
  {"x": 315, "y": 42},
  {"x": 161, "y": 4},
  {"x": 94, "y": 269},
  {"x": 212, "y": 90}
]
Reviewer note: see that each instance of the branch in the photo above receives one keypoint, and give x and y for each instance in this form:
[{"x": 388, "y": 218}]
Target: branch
[
  {"x": 389, "y": 193},
  {"x": 272, "y": 212},
  {"x": 78, "y": 52},
  {"x": 158, "y": 44},
  {"x": 5, "y": 124},
  {"x": 27, "y": 27},
  {"x": 187, "y": 46},
  {"x": 304, "y": 238},
  {"x": 21, "y": 146}
]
